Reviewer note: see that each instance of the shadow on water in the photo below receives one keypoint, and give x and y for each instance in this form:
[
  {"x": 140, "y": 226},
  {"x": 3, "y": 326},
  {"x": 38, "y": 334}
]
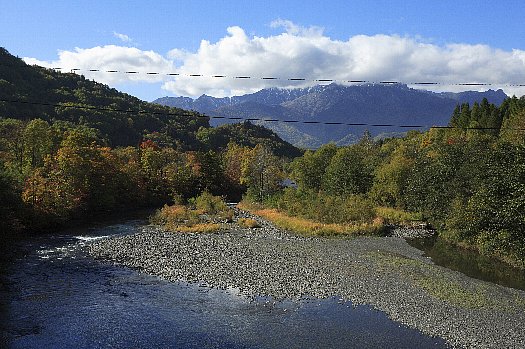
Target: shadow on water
[
  {"x": 470, "y": 263},
  {"x": 56, "y": 296}
]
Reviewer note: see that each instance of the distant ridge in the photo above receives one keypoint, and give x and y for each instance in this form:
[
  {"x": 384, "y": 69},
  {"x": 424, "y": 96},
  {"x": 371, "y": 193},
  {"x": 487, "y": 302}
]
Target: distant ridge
[{"x": 395, "y": 104}]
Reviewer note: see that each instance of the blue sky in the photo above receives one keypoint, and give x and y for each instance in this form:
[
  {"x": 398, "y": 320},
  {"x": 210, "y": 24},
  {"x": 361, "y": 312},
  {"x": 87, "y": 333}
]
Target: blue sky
[{"x": 315, "y": 37}]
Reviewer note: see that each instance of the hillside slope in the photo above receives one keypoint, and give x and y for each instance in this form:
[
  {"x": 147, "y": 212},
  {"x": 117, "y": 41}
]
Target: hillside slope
[{"x": 29, "y": 92}]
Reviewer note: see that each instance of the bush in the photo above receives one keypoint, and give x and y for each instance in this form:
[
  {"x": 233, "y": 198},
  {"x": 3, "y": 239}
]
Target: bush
[
  {"x": 209, "y": 204},
  {"x": 172, "y": 217},
  {"x": 325, "y": 208},
  {"x": 248, "y": 223},
  {"x": 397, "y": 216},
  {"x": 200, "y": 215},
  {"x": 357, "y": 208}
]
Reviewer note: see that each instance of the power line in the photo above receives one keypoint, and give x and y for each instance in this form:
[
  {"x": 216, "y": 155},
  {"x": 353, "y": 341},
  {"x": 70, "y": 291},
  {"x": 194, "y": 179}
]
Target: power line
[
  {"x": 287, "y": 79},
  {"x": 251, "y": 119}
]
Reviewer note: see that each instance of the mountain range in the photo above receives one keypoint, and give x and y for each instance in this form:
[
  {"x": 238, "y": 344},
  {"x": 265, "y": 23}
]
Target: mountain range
[{"x": 369, "y": 104}]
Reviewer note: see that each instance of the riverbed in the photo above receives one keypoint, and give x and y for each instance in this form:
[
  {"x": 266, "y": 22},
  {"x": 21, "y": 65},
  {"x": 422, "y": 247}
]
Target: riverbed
[
  {"x": 383, "y": 272},
  {"x": 369, "y": 293},
  {"x": 53, "y": 294}
]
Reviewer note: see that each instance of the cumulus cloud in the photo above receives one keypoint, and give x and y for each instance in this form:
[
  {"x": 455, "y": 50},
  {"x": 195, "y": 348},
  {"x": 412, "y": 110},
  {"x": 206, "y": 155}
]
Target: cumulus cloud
[
  {"x": 294, "y": 29},
  {"x": 304, "y": 52},
  {"x": 308, "y": 53},
  {"x": 111, "y": 57}
]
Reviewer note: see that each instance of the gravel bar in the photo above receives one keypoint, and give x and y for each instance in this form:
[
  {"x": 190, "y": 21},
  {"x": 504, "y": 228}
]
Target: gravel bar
[{"x": 384, "y": 272}]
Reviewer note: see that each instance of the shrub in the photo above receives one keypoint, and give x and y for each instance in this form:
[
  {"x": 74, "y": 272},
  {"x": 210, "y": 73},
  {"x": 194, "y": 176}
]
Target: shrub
[
  {"x": 325, "y": 208},
  {"x": 248, "y": 223},
  {"x": 198, "y": 216},
  {"x": 173, "y": 217},
  {"x": 357, "y": 208},
  {"x": 210, "y": 204},
  {"x": 397, "y": 216}
]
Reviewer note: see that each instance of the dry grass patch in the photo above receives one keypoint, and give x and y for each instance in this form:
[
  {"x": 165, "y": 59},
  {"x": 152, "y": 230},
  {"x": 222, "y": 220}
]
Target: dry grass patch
[
  {"x": 248, "y": 223},
  {"x": 309, "y": 227}
]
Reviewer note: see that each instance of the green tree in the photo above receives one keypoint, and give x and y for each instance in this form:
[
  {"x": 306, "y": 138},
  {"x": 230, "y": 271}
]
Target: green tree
[
  {"x": 390, "y": 178},
  {"x": 12, "y": 145},
  {"x": 456, "y": 116},
  {"x": 38, "y": 143},
  {"x": 347, "y": 173},
  {"x": 310, "y": 169},
  {"x": 261, "y": 173}
]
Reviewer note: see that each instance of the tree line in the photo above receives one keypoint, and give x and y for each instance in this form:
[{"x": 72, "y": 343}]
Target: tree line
[
  {"x": 70, "y": 146},
  {"x": 468, "y": 183},
  {"x": 53, "y": 172}
]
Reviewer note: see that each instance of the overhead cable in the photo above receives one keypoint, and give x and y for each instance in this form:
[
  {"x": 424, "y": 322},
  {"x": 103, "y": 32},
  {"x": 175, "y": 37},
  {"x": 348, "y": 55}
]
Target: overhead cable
[{"x": 83, "y": 107}]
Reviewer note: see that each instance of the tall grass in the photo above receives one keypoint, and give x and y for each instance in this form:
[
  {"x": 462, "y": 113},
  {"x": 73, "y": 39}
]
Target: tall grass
[
  {"x": 310, "y": 227},
  {"x": 324, "y": 208},
  {"x": 397, "y": 216}
]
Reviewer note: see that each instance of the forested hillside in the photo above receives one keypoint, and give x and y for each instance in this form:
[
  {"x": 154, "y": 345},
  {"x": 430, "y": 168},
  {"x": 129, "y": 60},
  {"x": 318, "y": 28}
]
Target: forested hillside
[
  {"x": 28, "y": 92},
  {"x": 468, "y": 183},
  {"x": 71, "y": 147}
]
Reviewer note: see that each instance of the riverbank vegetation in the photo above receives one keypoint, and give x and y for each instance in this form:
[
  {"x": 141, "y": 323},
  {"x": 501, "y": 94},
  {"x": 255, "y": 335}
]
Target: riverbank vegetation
[
  {"x": 202, "y": 214},
  {"x": 467, "y": 181}
]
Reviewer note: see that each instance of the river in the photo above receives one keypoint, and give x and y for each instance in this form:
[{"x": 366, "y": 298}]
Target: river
[
  {"x": 469, "y": 262},
  {"x": 53, "y": 295}
]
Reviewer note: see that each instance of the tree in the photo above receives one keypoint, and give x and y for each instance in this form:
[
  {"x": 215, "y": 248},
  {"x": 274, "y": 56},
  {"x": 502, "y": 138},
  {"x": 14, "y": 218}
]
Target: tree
[
  {"x": 155, "y": 162},
  {"x": 38, "y": 143},
  {"x": 390, "y": 178},
  {"x": 10, "y": 202},
  {"x": 309, "y": 169},
  {"x": 456, "y": 115},
  {"x": 12, "y": 145},
  {"x": 261, "y": 173},
  {"x": 347, "y": 173},
  {"x": 513, "y": 127},
  {"x": 233, "y": 159},
  {"x": 50, "y": 194},
  {"x": 182, "y": 176},
  {"x": 461, "y": 116},
  {"x": 88, "y": 169},
  {"x": 212, "y": 173}
]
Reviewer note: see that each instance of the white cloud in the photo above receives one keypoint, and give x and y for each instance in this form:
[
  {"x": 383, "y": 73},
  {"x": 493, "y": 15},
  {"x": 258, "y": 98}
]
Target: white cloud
[
  {"x": 308, "y": 53},
  {"x": 294, "y": 29},
  {"x": 299, "y": 52},
  {"x": 122, "y": 37},
  {"x": 111, "y": 57}
]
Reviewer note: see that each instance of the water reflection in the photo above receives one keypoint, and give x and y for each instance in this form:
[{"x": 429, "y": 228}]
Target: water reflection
[
  {"x": 58, "y": 297},
  {"x": 470, "y": 262}
]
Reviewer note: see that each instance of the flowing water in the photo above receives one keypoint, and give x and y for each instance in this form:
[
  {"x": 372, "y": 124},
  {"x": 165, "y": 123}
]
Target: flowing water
[
  {"x": 53, "y": 295},
  {"x": 470, "y": 263}
]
